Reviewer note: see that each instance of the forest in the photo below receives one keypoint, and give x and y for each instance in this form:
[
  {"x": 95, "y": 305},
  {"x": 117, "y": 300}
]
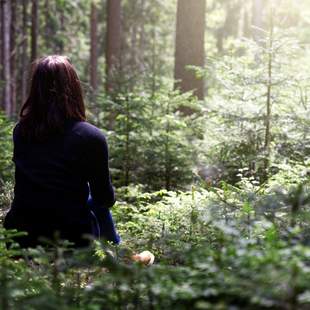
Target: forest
[{"x": 206, "y": 108}]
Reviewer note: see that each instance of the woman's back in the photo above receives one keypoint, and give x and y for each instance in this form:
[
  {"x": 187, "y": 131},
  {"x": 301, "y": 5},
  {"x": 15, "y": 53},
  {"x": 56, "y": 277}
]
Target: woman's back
[
  {"x": 59, "y": 158},
  {"x": 52, "y": 180}
]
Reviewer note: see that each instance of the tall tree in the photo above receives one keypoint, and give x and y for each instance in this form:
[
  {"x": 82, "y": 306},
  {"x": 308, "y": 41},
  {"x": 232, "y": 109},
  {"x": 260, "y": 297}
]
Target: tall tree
[
  {"x": 190, "y": 31},
  {"x": 93, "y": 46},
  {"x": 24, "y": 56},
  {"x": 246, "y": 29},
  {"x": 60, "y": 10},
  {"x": 231, "y": 23},
  {"x": 47, "y": 25},
  {"x": 13, "y": 56},
  {"x": 1, "y": 40},
  {"x": 113, "y": 40},
  {"x": 6, "y": 32},
  {"x": 257, "y": 21},
  {"x": 34, "y": 30}
]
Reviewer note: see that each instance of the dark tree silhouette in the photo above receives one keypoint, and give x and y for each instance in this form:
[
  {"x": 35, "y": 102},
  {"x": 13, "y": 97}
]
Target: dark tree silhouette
[
  {"x": 93, "y": 46},
  {"x": 34, "y": 30},
  {"x": 190, "y": 31},
  {"x": 113, "y": 40}
]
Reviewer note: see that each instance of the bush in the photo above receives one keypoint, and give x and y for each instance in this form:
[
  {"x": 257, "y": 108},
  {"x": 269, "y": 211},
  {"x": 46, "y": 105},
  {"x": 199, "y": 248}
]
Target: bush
[
  {"x": 6, "y": 147},
  {"x": 244, "y": 247}
]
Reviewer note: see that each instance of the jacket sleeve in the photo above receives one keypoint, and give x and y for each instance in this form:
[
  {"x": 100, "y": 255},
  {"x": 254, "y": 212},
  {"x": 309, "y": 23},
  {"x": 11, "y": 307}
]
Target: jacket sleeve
[{"x": 98, "y": 172}]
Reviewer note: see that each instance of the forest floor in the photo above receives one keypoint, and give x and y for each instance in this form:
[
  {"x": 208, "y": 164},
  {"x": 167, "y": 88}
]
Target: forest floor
[{"x": 216, "y": 248}]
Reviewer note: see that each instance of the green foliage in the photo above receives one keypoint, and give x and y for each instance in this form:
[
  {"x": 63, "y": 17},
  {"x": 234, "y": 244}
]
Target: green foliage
[
  {"x": 244, "y": 244},
  {"x": 237, "y": 135},
  {"x": 218, "y": 248},
  {"x": 151, "y": 141},
  {"x": 6, "y": 165}
]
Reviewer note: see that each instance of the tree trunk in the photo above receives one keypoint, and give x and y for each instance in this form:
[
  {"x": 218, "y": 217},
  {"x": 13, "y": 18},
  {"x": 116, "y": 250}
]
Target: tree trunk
[
  {"x": 61, "y": 44},
  {"x": 24, "y": 56},
  {"x": 47, "y": 26},
  {"x": 6, "y": 34},
  {"x": 246, "y": 23},
  {"x": 190, "y": 30},
  {"x": 127, "y": 145},
  {"x": 257, "y": 21},
  {"x": 13, "y": 57},
  {"x": 34, "y": 30},
  {"x": 167, "y": 152},
  {"x": 1, "y": 46},
  {"x": 269, "y": 96},
  {"x": 93, "y": 47},
  {"x": 220, "y": 39},
  {"x": 113, "y": 41},
  {"x": 231, "y": 24},
  {"x": 134, "y": 48}
]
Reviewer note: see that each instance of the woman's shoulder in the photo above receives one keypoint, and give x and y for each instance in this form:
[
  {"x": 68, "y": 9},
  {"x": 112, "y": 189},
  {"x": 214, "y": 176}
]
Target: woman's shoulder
[{"x": 87, "y": 131}]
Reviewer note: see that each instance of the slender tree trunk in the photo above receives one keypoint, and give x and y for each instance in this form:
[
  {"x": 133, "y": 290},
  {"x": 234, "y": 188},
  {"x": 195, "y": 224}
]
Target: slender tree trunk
[
  {"x": 167, "y": 152},
  {"x": 113, "y": 41},
  {"x": 6, "y": 37},
  {"x": 142, "y": 38},
  {"x": 231, "y": 24},
  {"x": 34, "y": 30},
  {"x": 24, "y": 65},
  {"x": 93, "y": 47},
  {"x": 61, "y": 44},
  {"x": 153, "y": 64},
  {"x": 134, "y": 48},
  {"x": 257, "y": 22},
  {"x": 246, "y": 23},
  {"x": 127, "y": 144},
  {"x": 190, "y": 31},
  {"x": 268, "y": 97},
  {"x": 220, "y": 39},
  {"x": 1, "y": 46},
  {"x": 47, "y": 26},
  {"x": 13, "y": 57}
]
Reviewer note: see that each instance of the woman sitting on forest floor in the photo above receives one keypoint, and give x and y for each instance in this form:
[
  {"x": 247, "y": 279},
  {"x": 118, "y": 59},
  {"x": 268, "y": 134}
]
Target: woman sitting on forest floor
[{"x": 62, "y": 178}]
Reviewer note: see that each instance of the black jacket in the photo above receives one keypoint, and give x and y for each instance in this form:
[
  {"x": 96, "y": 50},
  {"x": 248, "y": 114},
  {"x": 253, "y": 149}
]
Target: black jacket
[{"x": 53, "y": 180}]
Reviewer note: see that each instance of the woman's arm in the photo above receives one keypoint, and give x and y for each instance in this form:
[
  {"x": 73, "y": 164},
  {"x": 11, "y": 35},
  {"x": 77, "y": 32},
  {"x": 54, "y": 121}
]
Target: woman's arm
[{"x": 99, "y": 178}]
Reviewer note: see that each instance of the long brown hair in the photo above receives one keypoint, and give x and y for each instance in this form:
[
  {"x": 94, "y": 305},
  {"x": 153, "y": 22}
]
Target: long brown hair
[{"x": 55, "y": 96}]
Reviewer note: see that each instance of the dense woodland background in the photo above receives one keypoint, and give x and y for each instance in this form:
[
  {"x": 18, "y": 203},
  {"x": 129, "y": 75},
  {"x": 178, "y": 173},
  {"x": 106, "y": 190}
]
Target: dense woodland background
[{"x": 205, "y": 104}]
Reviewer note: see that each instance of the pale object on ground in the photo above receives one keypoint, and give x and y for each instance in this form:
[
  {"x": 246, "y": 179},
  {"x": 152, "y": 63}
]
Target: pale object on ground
[{"x": 145, "y": 257}]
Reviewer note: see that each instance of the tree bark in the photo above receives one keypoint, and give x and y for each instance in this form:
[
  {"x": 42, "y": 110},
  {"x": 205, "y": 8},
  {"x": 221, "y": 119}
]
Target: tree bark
[
  {"x": 257, "y": 21},
  {"x": 1, "y": 45},
  {"x": 34, "y": 30},
  {"x": 269, "y": 96},
  {"x": 61, "y": 43},
  {"x": 6, "y": 33},
  {"x": 13, "y": 57},
  {"x": 113, "y": 41},
  {"x": 190, "y": 31},
  {"x": 24, "y": 55},
  {"x": 231, "y": 24},
  {"x": 94, "y": 47},
  {"x": 47, "y": 26},
  {"x": 246, "y": 23}
]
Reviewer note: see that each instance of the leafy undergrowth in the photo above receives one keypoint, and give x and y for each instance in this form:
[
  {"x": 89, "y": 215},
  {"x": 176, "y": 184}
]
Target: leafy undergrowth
[{"x": 237, "y": 247}]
